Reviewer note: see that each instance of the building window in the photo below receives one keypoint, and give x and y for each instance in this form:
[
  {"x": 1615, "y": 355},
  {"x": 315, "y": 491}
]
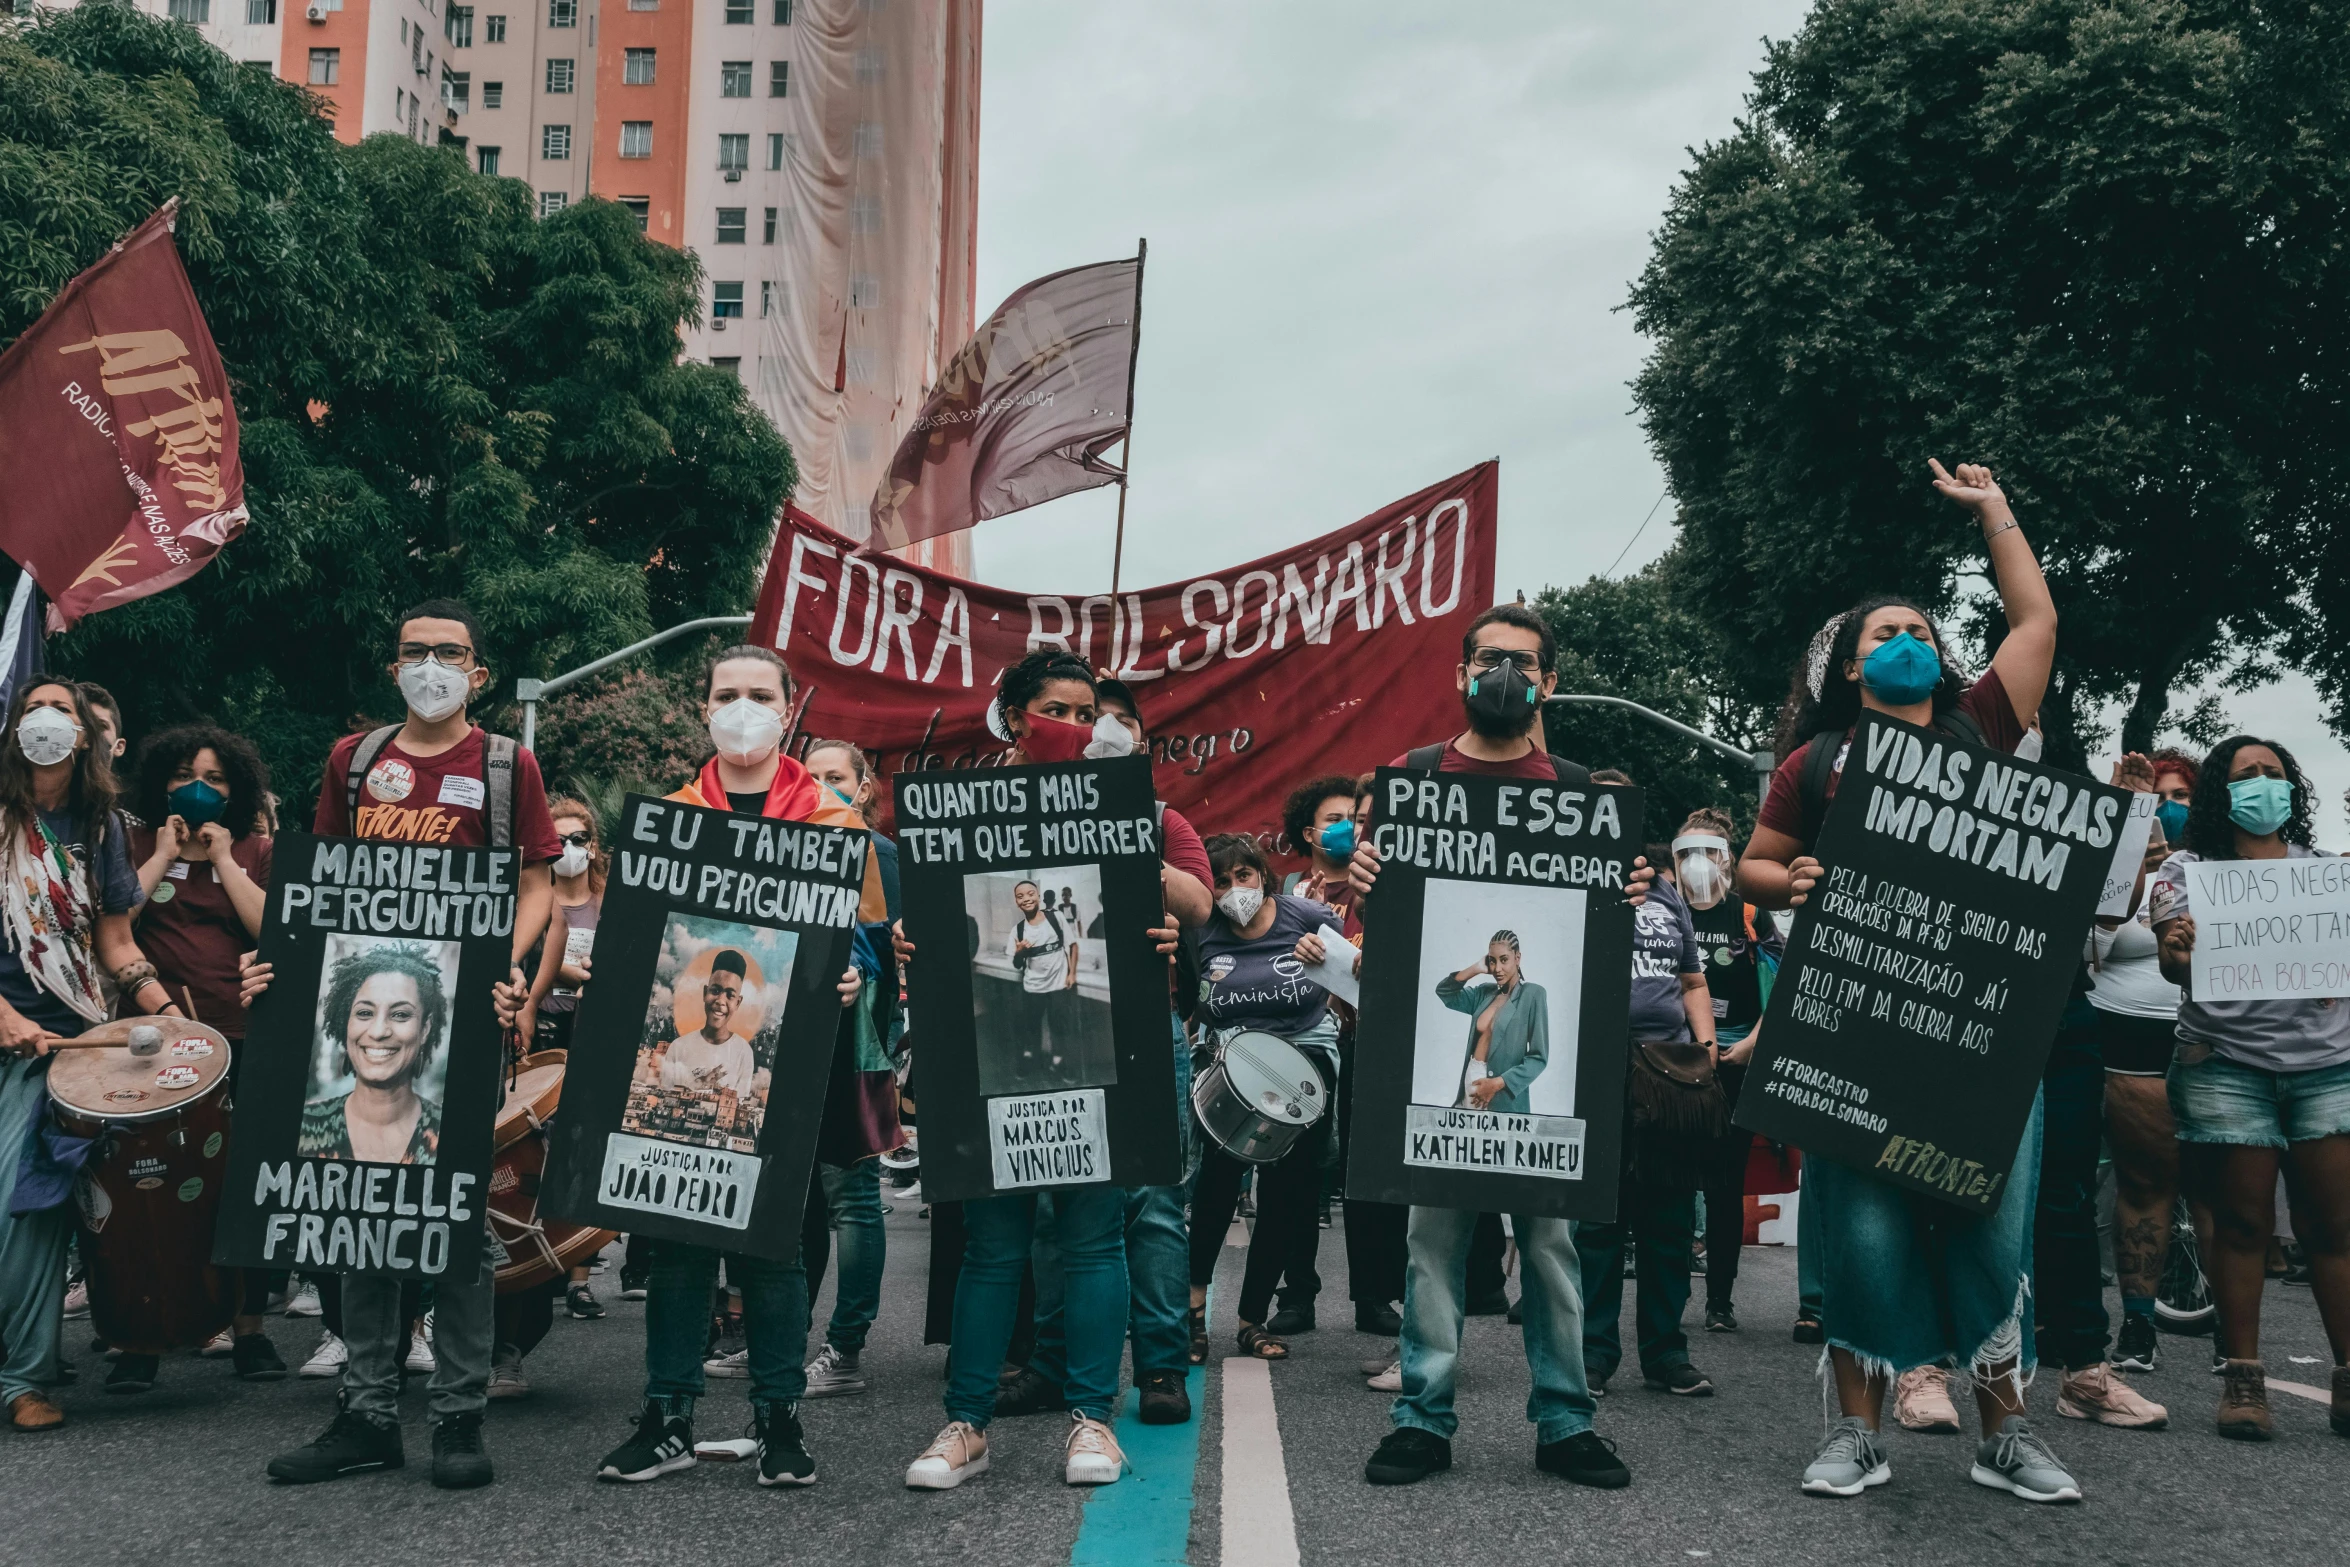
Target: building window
[
  {"x": 775, "y": 149},
  {"x": 562, "y": 13},
  {"x": 494, "y": 29},
  {"x": 738, "y": 13},
  {"x": 642, "y": 206},
  {"x": 779, "y": 79},
  {"x": 768, "y": 231},
  {"x": 866, "y": 140},
  {"x": 726, "y": 301},
  {"x": 637, "y": 68},
  {"x": 766, "y": 299},
  {"x": 326, "y": 68},
  {"x": 399, "y": 104},
  {"x": 265, "y": 67},
  {"x": 489, "y": 159},
  {"x": 493, "y": 95},
  {"x": 734, "y": 152},
  {"x": 865, "y": 292},
  {"x": 197, "y": 11},
  {"x": 733, "y": 366},
  {"x": 644, "y": 5},
  {"x": 552, "y": 202},
  {"x": 783, "y": 13},
  {"x": 560, "y": 74},
  {"x": 730, "y": 225},
  {"x": 415, "y": 102},
  {"x": 555, "y": 142},
  {"x": 734, "y": 79},
  {"x": 457, "y": 90},
  {"x": 260, "y": 13},
  {"x": 636, "y": 138},
  {"x": 457, "y": 26}
]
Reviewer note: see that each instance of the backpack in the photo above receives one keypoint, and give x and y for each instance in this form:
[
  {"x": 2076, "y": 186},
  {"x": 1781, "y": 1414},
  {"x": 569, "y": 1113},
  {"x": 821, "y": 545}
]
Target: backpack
[
  {"x": 1020, "y": 959},
  {"x": 1430, "y": 759},
  {"x": 1819, "y": 765},
  {"x": 497, "y": 780}
]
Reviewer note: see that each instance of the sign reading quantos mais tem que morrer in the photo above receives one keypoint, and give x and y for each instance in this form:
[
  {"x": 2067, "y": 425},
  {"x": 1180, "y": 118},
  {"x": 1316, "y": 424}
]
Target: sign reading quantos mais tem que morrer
[{"x": 1926, "y": 972}]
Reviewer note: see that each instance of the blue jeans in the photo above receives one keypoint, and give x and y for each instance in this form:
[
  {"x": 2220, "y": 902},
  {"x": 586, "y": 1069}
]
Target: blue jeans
[
  {"x": 32, "y": 1245},
  {"x": 1662, "y": 1224},
  {"x": 854, "y": 1195},
  {"x": 998, "y": 1231},
  {"x": 677, "y": 1323},
  {"x": 1434, "y": 1297}
]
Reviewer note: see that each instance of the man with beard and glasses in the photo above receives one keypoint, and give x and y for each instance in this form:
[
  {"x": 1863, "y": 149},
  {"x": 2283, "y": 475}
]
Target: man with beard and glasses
[{"x": 1509, "y": 663}]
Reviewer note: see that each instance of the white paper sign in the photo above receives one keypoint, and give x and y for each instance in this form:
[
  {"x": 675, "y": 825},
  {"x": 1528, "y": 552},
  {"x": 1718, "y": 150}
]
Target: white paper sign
[
  {"x": 1048, "y": 1139},
  {"x": 709, "y": 1185},
  {"x": 1336, "y": 972},
  {"x": 2270, "y": 930},
  {"x": 2129, "y": 851},
  {"x": 1546, "y": 1145}
]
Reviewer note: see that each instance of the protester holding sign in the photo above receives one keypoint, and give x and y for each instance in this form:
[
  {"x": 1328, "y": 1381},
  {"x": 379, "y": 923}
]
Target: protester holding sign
[
  {"x": 1910, "y": 1282},
  {"x": 65, "y": 921},
  {"x": 2256, "y": 1084}
]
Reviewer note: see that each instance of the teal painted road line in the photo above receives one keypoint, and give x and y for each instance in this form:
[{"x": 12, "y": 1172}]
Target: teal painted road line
[{"x": 1145, "y": 1519}]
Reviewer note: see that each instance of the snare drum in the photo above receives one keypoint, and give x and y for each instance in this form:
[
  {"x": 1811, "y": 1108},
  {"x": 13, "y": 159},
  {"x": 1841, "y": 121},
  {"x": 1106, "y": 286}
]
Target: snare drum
[
  {"x": 1259, "y": 1097},
  {"x": 153, "y": 1184},
  {"x": 537, "y": 1249}
]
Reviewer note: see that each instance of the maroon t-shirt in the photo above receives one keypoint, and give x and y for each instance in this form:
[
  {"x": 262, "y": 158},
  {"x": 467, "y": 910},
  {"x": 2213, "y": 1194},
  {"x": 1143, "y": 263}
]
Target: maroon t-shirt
[
  {"x": 1986, "y": 702},
  {"x": 1534, "y": 764},
  {"x": 189, "y": 929},
  {"x": 433, "y": 799}
]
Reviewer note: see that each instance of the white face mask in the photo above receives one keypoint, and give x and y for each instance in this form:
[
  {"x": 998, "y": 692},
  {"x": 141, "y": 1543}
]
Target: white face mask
[
  {"x": 573, "y": 861},
  {"x": 434, "y": 690},
  {"x": 46, "y": 736},
  {"x": 1240, "y": 904},
  {"x": 1701, "y": 880},
  {"x": 1110, "y": 738},
  {"x": 744, "y": 731}
]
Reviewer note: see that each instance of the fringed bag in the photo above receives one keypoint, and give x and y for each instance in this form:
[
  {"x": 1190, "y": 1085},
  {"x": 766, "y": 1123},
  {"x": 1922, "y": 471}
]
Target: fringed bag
[{"x": 1678, "y": 1111}]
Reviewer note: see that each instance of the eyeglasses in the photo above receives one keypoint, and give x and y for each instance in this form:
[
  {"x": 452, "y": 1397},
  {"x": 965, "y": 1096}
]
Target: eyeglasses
[
  {"x": 578, "y": 840},
  {"x": 454, "y": 654},
  {"x": 1494, "y": 658}
]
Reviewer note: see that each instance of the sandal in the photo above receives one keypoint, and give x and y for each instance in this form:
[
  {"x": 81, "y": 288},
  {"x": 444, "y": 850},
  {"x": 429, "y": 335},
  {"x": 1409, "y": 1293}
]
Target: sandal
[
  {"x": 1199, "y": 1335},
  {"x": 1254, "y": 1340}
]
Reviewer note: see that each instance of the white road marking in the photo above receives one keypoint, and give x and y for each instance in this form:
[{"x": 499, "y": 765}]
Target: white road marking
[
  {"x": 1259, "y": 1530},
  {"x": 2313, "y": 1394}
]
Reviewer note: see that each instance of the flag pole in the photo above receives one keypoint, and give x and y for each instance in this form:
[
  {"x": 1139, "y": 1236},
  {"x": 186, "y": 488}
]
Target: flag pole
[{"x": 1142, "y": 250}]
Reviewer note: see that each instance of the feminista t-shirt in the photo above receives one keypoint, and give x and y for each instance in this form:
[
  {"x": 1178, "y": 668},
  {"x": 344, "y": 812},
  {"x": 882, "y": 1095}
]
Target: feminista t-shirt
[{"x": 1260, "y": 984}]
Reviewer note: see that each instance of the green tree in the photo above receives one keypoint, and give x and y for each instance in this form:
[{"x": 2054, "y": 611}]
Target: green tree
[
  {"x": 2094, "y": 243},
  {"x": 439, "y": 393}
]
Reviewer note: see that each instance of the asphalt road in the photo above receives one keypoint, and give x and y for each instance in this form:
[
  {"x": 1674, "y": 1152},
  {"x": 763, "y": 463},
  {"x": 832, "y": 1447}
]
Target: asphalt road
[{"x": 175, "y": 1476}]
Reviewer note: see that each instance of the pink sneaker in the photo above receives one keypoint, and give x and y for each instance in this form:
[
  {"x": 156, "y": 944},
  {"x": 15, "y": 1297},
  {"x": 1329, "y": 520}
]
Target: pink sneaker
[
  {"x": 2095, "y": 1393},
  {"x": 1921, "y": 1400}
]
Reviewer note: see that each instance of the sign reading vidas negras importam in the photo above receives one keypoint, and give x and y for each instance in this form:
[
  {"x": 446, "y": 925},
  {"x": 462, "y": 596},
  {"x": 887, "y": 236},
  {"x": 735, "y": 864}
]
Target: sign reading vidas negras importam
[{"x": 1926, "y": 973}]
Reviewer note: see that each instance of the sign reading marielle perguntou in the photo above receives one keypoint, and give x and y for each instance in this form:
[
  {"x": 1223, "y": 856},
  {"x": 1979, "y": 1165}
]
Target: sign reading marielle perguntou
[
  {"x": 1497, "y": 979},
  {"x": 1925, "y": 975},
  {"x": 370, "y": 1079},
  {"x": 698, "y": 1066}
]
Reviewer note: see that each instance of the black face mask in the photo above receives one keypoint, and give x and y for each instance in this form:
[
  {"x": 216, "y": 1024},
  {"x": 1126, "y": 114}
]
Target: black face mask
[{"x": 1502, "y": 703}]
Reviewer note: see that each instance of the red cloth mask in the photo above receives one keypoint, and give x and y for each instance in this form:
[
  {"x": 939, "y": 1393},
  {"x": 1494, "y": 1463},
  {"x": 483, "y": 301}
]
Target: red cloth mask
[{"x": 1050, "y": 740}]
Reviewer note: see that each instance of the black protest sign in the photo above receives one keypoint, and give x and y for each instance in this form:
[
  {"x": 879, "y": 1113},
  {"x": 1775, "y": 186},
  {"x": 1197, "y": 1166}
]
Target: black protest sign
[
  {"x": 1928, "y": 967},
  {"x": 1037, "y": 998},
  {"x": 1497, "y": 980},
  {"x": 371, "y": 1076},
  {"x": 695, "y": 1086}
]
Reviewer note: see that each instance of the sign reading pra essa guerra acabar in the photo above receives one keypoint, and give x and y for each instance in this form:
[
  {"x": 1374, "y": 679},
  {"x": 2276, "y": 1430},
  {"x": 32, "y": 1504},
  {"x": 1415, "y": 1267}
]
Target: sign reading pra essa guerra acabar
[
  {"x": 371, "y": 1071},
  {"x": 1928, "y": 969}
]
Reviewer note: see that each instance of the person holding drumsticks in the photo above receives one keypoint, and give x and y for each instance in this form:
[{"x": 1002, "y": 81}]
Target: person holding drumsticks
[{"x": 65, "y": 920}]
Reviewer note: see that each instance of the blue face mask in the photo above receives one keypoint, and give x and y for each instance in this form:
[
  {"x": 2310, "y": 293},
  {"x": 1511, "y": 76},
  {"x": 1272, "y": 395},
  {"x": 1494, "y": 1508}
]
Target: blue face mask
[
  {"x": 1338, "y": 839},
  {"x": 2260, "y": 805},
  {"x": 196, "y": 803},
  {"x": 2173, "y": 817},
  {"x": 1902, "y": 671}
]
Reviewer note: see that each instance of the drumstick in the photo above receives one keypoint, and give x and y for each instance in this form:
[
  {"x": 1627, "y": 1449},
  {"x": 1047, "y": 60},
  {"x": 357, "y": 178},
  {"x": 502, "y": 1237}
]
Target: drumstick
[
  {"x": 189, "y": 996},
  {"x": 145, "y": 1040}
]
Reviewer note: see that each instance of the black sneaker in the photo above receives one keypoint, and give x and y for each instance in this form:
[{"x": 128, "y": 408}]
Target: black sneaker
[
  {"x": 1030, "y": 1392},
  {"x": 583, "y": 1303},
  {"x": 1379, "y": 1320},
  {"x": 1408, "y": 1454},
  {"x": 133, "y": 1373},
  {"x": 1587, "y": 1458},
  {"x": 459, "y": 1462},
  {"x": 1162, "y": 1399},
  {"x": 663, "y": 1444},
  {"x": 351, "y": 1443},
  {"x": 1291, "y": 1319},
  {"x": 256, "y": 1359},
  {"x": 1808, "y": 1329},
  {"x": 2137, "y": 1350},
  {"x": 783, "y": 1447},
  {"x": 1720, "y": 1319},
  {"x": 1683, "y": 1379}
]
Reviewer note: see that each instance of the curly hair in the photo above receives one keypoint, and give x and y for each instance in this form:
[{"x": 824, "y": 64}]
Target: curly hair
[
  {"x": 2210, "y": 834},
  {"x": 1032, "y": 674},
  {"x": 2170, "y": 759},
  {"x": 1837, "y": 707},
  {"x": 165, "y": 752},
  {"x": 1297, "y": 812},
  {"x": 355, "y": 969},
  {"x": 1228, "y": 851}
]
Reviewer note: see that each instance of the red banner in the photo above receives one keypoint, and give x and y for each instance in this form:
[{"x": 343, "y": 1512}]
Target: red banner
[
  {"x": 1329, "y": 657},
  {"x": 117, "y": 434}
]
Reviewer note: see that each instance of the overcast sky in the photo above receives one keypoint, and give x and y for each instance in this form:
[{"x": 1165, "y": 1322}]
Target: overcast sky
[{"x": 1387, "y": 242}]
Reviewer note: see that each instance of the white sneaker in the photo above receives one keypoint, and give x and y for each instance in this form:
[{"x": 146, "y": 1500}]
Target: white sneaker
[
  {"x": 506, "y": 1378},
  {"x": 331, "y": 1356},
  {"x": 419, "y": 1352},
  {"x": 737, "y": 1364},
  {"x": 77, "y": 1302},
  {"x": 1388, "y": 1381},
  {"x": 1094, "y": 1455},
  {"x": 304, "y": 1302},
  {"x": 220, "y": 1346},
  {"x": 954, "y": 1456}
]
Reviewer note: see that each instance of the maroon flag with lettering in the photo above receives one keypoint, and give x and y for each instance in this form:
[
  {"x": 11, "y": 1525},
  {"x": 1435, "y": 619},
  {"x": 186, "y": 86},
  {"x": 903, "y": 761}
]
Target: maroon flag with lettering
[
  {"x": 1023, "y": 414},
  {"x": 117, "y": 437}
]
